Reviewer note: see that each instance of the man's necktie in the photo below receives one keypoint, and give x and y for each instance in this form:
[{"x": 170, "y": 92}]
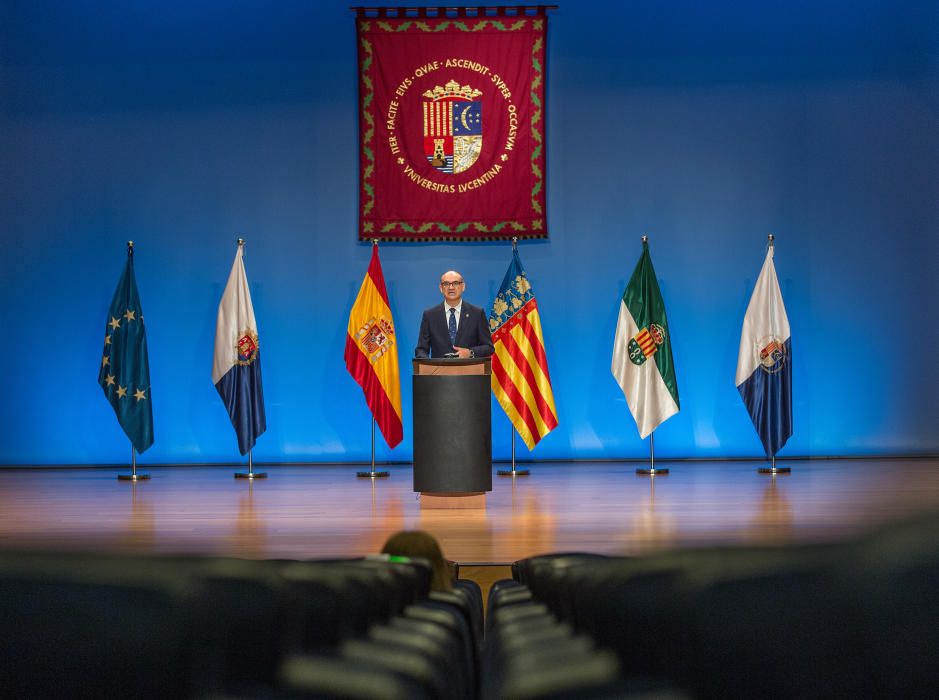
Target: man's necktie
[{"x": 452, "y": 326}]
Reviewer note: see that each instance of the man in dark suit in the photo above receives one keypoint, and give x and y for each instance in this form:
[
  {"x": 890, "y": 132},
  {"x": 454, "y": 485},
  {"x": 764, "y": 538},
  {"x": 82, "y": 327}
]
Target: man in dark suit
[{"x": 454, "y": 327}]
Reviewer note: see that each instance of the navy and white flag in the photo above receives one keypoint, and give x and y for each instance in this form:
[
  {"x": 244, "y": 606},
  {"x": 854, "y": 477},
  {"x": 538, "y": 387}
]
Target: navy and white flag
[
  {"x": 764, "y": 365},
  {"x": 124, "y": 374},
  {"x": 236, "y": 371}
]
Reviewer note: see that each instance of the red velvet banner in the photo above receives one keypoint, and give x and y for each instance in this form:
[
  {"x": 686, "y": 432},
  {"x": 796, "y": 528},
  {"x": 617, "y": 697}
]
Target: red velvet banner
[{"x": 452, "y": 124}]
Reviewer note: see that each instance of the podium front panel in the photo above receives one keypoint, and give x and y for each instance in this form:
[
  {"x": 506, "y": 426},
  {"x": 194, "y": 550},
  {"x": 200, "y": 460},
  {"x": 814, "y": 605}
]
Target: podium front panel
[{"x": 452, "y": 433}]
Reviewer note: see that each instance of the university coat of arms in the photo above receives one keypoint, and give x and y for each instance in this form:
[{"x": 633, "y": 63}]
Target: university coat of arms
[{"x": 453, "y": 131}]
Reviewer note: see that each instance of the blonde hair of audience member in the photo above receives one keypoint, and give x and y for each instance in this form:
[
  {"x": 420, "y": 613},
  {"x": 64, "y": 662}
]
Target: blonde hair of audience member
[{"x": 417, "y": 543}]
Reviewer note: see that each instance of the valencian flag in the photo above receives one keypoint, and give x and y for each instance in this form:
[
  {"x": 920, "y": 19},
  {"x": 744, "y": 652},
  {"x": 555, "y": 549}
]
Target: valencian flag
[
  {"x": 372, "y": 354},
  {"x": 642, "y": 351},
  {"x": 236, "y": 369},
  {"x": 125, "y": 370},
  {"x": 451, "y": 114},
  {"x": 764, "y": 364},
  {"x": 520, "y": 379}
]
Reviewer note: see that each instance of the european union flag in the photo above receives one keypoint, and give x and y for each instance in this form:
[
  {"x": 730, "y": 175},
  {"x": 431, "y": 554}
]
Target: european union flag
[{"x": 125, "y": 371}]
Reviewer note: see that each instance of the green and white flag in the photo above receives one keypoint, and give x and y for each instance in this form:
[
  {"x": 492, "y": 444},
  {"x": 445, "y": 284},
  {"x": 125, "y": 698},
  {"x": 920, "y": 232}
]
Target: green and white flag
[{"x": 642, "y": 351}]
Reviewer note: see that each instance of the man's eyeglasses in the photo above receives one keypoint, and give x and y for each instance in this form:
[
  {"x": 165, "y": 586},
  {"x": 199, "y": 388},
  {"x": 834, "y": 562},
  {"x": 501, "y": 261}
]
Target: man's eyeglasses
[{"x": 451, "y": 284}]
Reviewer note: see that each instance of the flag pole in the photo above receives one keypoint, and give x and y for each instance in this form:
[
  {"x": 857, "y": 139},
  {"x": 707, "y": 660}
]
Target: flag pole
[
  {"x": 250, "y": 475},
  {"x": 651, "y": 471},
  {"x": 133, "y": 476},
  {"x": 773, "y": 469},
  {"x": 372, "y": 474},
  {"x": 513, "y": 472}
]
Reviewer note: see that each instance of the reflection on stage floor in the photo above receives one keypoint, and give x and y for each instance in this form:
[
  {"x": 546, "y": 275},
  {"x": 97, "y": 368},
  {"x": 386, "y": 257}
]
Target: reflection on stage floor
[{"x": 325, "y": 511}]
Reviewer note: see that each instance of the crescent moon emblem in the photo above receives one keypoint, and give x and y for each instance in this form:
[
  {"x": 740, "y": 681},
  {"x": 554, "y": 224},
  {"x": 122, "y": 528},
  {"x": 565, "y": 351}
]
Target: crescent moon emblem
[{"x": 463, "y": 117}]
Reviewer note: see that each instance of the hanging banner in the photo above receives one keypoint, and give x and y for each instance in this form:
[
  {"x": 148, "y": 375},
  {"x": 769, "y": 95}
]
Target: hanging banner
[{"x": 452, "y": 124}]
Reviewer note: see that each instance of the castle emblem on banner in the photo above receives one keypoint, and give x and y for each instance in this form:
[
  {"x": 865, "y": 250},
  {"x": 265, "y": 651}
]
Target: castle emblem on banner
[
  {"x": 453, "y": 129},
  {"x": 644, "y": 344},
  {"x": 246, "y": 349},
  {"x": 376, "y": 338},
  {"x": 772, "y": 354}
]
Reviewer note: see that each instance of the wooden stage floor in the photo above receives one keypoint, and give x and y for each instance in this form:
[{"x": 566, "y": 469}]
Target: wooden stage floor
[{"x": 325, "y": 511}]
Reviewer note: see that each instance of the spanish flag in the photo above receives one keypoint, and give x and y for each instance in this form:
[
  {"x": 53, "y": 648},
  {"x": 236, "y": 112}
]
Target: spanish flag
[
  {"x": 520, "y": 379},
  {"x": 371, "y": 353}
]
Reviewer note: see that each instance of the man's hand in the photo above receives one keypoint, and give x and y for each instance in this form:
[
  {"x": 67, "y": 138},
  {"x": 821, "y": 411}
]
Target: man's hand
[{"x": 464, "y": 353}]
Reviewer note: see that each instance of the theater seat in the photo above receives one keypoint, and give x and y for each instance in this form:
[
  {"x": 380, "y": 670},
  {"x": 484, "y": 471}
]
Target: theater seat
[
  {"x": 95, "y": 633},
  {"x": 316, "y": 677}
]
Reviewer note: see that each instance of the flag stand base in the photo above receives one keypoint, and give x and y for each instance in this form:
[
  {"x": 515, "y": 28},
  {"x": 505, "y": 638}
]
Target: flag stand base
[
  {"x": 133, "y": 476},
  {"x": 774, "y": 470},
  {"x": 250, "y": 474},
  {"x": 651, "y": 471},
  {"x": 372, "y": 474},
  {"x": 513, "y": 471}
]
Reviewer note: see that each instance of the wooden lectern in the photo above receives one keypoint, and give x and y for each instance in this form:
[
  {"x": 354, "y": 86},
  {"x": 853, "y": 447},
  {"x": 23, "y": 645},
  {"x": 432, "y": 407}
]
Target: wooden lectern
[{"x": 452, "y": 432}]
